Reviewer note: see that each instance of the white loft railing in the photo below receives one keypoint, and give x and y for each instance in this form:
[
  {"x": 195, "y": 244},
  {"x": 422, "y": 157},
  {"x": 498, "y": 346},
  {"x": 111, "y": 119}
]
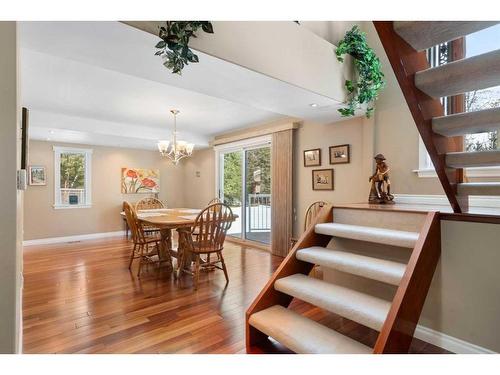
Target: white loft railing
[{"x": 66, "y": 193}]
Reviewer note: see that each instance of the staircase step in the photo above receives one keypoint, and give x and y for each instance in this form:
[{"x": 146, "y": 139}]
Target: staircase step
[
  {"x": 467, "y": 122},
  {"x": 425, "y": 34},
  {"x": 369, "y": 234},
  {"x": 473, "y": 73},
  {"x": 473, "y": 159},
  {"x": 303, "y": 335},
  {"x": 359, "y": 307},
  {"x": 373, "y": 268},
  {"x": 479, "y": 188}
]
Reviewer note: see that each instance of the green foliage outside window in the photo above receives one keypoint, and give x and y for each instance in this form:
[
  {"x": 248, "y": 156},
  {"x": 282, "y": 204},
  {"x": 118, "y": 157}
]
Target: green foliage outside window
[
  {"x": 72, "y": 171},
  {"x": 258, "y": 174}
]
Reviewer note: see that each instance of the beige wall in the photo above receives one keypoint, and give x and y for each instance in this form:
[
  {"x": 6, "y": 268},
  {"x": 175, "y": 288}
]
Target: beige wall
[
  {"x": 10, "y": 197},
  {"x": 396, "y": 135},
  {"x": 463, "y": 301},
  {"x": 350, "y": 180},
  {"x": 43, "y": 221},
  {"x": 199, "y": 189}
]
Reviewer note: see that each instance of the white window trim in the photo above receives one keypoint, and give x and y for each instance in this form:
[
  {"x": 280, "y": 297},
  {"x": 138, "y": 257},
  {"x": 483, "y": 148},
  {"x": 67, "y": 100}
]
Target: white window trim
[
  {"x": 426, "y": 169},
  {"x": 57, "y": 176}
]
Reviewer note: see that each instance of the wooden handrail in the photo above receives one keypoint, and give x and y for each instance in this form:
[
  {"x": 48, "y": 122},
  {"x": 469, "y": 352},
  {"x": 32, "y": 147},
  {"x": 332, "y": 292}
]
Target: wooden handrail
[
  {"x": 290, "y": 265},
  {"x": 397, "y": 332},
  {"x": 405, "y": 62}
]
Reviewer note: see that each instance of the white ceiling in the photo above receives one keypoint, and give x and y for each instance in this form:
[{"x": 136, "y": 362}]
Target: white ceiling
[{"x": 100, "y": 83}]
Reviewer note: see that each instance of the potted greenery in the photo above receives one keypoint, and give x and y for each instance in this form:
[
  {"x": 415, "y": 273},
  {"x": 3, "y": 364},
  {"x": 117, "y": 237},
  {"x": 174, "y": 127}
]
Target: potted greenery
[
  {"x": 173, "y": 46},
  {"x": 369, "y": 79}
]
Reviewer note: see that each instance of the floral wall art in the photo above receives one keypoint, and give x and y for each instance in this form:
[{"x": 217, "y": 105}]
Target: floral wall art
[{"x": 140, "y": 181}]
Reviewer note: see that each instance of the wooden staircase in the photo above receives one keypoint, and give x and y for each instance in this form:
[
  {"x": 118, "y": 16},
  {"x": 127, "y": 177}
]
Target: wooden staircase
[
  {"x": 396, "y": 250},
  {"x": 405, "y": 44}
]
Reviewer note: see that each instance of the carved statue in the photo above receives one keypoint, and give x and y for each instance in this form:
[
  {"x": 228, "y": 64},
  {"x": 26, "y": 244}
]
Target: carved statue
[{"x": 380, "y": 191}]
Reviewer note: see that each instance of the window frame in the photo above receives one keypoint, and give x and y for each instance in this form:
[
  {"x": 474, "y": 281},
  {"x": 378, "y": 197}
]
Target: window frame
[{"x": 87, "y": 152}]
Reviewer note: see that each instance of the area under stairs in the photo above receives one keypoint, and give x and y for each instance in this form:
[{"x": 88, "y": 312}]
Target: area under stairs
[
  {"x": 422, "y": 86},
  {"x": 395, "y": 251}
]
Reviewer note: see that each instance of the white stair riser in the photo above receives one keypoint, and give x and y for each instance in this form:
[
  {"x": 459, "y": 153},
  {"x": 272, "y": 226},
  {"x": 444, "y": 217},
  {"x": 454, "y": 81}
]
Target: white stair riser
[
  {"x": 369, "y": 234},
  {"x": 479, "y": 188},
  {"x": 473, "y": 73},
  {"x": 425, "y": 34},
  {"x": 302, "y": 335},
  {"x": 473, "y": 159},
  {"x": 467, "y": 123},
  {"x": 368, "y": 267},
  {"x": 359, "y": 307}
]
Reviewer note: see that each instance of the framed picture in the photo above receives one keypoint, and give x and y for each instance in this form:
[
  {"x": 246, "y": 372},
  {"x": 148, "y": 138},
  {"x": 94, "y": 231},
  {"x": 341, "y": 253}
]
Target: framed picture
[
  {"x": 322, "y": 179},
  {"x": 340, "y": 154},
  {"x": 140, "y": 181},
  {"x": 36, "y": 175},
  {"x": 312, "y": 158}
]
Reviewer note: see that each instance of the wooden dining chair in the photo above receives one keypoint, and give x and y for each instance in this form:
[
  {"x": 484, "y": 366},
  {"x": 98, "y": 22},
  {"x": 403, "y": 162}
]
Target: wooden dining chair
[
  {"x": 214, "y": 200},
  {"x": 149, "y": 203},
  {"x": 211, "y": 226},
  {"x": 311, "y": 212},
  {"x": 146, "y": 248}
]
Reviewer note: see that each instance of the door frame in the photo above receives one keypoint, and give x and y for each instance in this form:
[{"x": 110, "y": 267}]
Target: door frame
[{"x": 242, "y": 146}]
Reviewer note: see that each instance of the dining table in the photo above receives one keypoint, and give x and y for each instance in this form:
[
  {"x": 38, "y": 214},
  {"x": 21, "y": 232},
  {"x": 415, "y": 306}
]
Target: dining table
[{"x": 166, "y": 220}]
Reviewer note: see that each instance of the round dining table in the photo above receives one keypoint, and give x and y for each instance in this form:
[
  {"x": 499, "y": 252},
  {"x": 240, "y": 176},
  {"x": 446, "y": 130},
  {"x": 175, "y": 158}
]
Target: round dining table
[{"x": 165, "y": 220}]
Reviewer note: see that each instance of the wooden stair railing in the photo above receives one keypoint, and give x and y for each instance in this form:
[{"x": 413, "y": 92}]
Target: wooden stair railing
[
  {"x": 290, "y": 265},
  {"x": 397, "y": 332},
  {"x": 406, "y": 62}
]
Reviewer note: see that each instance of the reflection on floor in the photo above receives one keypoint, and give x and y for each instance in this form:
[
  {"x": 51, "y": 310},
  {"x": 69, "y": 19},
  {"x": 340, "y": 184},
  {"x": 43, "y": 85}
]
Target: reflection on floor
[
  {"x": 81, "y": 298},
  {"x": 262, "y": 237}
]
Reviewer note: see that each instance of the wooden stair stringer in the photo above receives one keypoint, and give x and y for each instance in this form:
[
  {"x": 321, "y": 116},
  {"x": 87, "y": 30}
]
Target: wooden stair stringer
[
  {"x": 406, "y": 62},
  {"x": 398, "y": 329}
]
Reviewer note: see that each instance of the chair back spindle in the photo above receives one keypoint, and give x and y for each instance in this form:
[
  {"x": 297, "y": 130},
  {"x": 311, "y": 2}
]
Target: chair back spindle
[
  {"x": 149, "y": 203},
  {"x": 211, "y": 226}
]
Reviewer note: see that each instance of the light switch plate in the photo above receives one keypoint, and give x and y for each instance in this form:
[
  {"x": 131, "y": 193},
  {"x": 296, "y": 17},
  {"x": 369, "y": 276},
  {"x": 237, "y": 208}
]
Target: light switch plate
[{"x": 22, "y": 181}]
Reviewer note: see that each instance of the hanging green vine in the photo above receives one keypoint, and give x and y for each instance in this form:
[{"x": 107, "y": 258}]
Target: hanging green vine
[
  {"x": 173, "y": 46},
  {"x": 367, "y": 64}
]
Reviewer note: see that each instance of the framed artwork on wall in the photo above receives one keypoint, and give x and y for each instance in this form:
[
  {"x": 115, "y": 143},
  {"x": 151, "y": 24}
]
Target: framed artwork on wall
[
  {"x": 36, "y": 175},
  {"x": 312, "y": 158},
  {"x": 340, "y": 154},
  {"x": 140, "y": 181},
  {"x": 322, "y": 179}
]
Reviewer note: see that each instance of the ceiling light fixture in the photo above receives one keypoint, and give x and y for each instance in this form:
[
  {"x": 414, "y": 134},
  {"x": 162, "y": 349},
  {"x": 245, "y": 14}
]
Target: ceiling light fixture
[
  {"x": 314, "y": 105},
  {"x": 178, "y": 149}
]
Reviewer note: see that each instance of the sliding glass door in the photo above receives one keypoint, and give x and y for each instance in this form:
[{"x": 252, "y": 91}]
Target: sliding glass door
[{"x": 244, "y": 183}]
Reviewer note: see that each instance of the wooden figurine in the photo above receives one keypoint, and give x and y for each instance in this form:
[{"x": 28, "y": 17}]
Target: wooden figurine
[{"x": 380, "y": 191}]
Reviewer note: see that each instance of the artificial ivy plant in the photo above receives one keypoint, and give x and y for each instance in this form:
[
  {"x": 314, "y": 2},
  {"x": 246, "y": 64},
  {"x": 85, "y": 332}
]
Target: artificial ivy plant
[
  {"x": 370, "y": 79},
  {"x": 173, "y": 45}
]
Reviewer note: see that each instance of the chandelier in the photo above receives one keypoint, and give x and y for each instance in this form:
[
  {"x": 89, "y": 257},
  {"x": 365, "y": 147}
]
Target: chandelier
[{"x": 177, "y": 149}]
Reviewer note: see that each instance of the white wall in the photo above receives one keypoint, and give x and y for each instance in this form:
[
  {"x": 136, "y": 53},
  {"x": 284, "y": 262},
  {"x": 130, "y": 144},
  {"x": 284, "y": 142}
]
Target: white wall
[{"x": 10, "y": 198}]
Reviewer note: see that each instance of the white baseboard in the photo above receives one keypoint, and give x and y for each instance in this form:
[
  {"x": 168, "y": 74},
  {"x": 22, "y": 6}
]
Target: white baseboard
[
  {"x": 449, "y": 343},
  {"x": 441, "y": 200},
  {"x": 81, "y": 237}
]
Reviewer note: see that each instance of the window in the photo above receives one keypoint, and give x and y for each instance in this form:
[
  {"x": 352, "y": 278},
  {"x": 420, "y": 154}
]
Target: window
[
  {"x": 72, "y": 177},
  {"x": 475, "y": 44}
]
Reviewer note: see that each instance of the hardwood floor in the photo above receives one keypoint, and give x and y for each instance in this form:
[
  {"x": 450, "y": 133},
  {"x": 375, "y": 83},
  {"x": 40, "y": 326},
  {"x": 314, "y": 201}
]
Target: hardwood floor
[{"x": 81, "y": 298}]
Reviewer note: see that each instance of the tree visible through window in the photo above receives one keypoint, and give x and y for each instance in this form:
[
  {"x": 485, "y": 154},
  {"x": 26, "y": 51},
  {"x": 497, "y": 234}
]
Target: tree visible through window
[
  {"x": 478, "y": 101},
  {"x": 72, "y": 177},
  {"x": 478, "y": 43}
]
